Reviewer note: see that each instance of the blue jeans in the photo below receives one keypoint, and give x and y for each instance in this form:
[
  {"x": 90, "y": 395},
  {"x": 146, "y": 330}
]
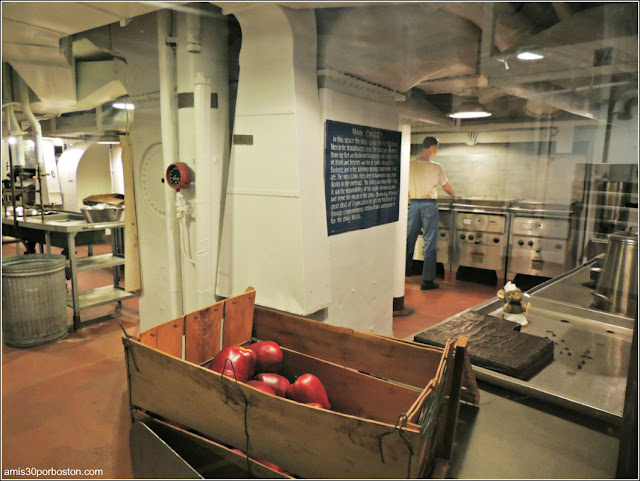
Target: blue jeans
[{"x": 423, "y": 213}]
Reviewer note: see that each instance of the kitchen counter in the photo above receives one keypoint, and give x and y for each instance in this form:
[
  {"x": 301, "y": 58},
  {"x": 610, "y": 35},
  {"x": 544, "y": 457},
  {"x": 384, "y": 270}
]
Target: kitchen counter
[{"x": 592, "y": 348}]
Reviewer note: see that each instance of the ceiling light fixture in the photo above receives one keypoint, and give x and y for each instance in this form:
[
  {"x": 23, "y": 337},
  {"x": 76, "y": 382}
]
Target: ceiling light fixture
[
  {"x": 108, "y": 142},
  {"x": 529, "y": 53},
  {"x": 123, "y": 105},
  {"x": 470, "y": 109},
  {"x": 12, "y": 140}
]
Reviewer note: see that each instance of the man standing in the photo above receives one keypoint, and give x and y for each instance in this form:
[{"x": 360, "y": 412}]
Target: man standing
[{"x": 424, "y": 178}]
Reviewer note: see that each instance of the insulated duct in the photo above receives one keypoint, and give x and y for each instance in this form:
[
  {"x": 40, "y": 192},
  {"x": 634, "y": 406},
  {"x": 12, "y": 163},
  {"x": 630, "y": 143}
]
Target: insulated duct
[
  {"x": 416, "y": 108},
  {"x": 545, "y": 92},
  {"x": 622, "y": 107},
  {"x": 37, "y": 134}
]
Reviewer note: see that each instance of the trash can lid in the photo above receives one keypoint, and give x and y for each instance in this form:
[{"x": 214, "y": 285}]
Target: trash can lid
[{"x": 32, "y": 263}]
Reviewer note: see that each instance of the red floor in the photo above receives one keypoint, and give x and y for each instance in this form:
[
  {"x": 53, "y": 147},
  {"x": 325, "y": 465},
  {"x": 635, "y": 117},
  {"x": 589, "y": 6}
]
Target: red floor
[{"x": 65, "y": 405}]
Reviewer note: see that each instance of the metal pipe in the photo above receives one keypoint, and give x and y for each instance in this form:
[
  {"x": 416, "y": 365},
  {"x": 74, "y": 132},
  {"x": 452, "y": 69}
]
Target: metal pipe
[
  {"x": 202, "y": 126},
  {"x": 13, "y": 198},
  {"x": 168, "y": 125},
  {"x": 37, "y": 133}
]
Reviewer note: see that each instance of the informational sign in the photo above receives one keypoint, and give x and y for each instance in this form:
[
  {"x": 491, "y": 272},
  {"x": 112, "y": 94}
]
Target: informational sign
[{"x": 362, "y": 176}]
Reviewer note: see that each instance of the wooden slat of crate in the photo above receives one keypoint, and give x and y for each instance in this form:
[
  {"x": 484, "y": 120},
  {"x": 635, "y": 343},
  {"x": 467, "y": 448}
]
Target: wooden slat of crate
[
  {"x": 312, "y": 443},
  {"x": 203, "y": 333},
  {"x": 169, "y": 337},
  {"x": 399, "y": 361},
  {"x": 351, "y": 392},
  {"x": 150, "y": 337},
  {"x": 238, "y": 318},
  {"x": 200, "y": 452}
]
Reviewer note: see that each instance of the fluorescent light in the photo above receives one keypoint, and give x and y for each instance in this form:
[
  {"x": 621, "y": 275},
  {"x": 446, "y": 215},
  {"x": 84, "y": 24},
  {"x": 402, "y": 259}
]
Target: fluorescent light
[
  {"x": 108, "y": 142},
  {"x": 123, "y": 105},
  {"x": 529, "y": 53},
  {"x": 469, "y": 115},
  {"x": 470, "y": 109}
]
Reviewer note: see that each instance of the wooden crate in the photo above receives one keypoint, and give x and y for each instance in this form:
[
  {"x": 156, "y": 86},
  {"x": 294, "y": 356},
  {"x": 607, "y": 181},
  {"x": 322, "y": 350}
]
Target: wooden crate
[{"x": 394, "y": 403}]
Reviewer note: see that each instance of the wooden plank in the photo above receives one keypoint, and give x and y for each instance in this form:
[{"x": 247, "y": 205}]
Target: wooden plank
[
  {"x": 434, "y": 383},
  {"x": 446, "y": 436},
  {"x": 470, "y": 392},
  {"x": 440, "y": 468},
  {"x": 203, "y": 452},
  {"x": 132, "y": 255},
  {"x": 203, "y": 331},
  {"x": 169, "y": 337},
  {"x": 313, "y": 443},
  {"x": 351, "y": 392},
  {"x": 403, "y": 362},
  {"x": 150, "y": 337},
  {"x": 238, "y": 318}
]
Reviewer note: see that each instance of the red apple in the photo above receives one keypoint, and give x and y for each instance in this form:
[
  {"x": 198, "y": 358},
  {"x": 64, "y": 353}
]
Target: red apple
[
  {"x": 243, "y": 359},
  {"x": 308, "y": 389},
  {"x": 278, "y": 383},
  {"x": 268, "y": 356},
  {"x": 262, "y": 386}
]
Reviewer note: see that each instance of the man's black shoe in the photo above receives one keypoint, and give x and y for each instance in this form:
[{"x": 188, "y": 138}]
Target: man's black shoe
[{"x": 427, "y": 285}]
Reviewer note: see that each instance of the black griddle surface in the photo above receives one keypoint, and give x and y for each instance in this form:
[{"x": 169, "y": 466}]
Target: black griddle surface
[{"x": 494, "y": 343}]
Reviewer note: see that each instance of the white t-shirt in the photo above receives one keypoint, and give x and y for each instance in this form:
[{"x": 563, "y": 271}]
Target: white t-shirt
[{"x": 424, "y": 178}]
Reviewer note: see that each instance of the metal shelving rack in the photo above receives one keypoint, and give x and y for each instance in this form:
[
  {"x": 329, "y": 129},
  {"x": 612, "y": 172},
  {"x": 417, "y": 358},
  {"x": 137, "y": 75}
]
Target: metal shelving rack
[{"x": 71, "y": 225}]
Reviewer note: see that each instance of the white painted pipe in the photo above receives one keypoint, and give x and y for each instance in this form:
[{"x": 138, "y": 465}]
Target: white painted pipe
[
  {"x": 37, "y": 134},
  {"x": 16, "y": 131},
  {"x": 168, "y": 127},
  {"x": 205, "y": 275},
  {"x": 401, "y": 232}
]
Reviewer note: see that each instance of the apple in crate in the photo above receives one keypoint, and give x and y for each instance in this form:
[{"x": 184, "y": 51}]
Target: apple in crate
[
  {"x": 278, "y": 383},
  {"x": 268, "y": 356},
  {"x": 235, "y": 359},
  {"x": 262, "y": 386},
  {"x": 308, "y": 389}
]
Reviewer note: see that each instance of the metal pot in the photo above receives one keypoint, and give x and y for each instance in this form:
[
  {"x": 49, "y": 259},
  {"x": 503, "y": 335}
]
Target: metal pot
[
  {"x": 103, "y": 213},
  {"x": 617, "y": 286}
]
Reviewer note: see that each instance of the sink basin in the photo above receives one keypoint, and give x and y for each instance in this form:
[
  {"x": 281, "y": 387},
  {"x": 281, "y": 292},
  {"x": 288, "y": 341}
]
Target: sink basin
[{"x": 64, "y": 217}]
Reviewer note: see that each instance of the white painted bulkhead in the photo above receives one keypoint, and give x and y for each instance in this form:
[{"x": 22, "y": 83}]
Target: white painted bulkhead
[
  {"x": 274, "y": 234},
  {"x": 362, "y": 262}
]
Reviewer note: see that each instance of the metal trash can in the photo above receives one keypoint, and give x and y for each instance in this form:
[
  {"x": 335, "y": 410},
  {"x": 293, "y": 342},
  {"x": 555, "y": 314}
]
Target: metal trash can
[{"x": 34, "y": 299}]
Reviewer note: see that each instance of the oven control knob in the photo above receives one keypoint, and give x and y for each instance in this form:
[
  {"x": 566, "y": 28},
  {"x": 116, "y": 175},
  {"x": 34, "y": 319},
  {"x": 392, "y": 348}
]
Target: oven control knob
[
  {"x": 442, "y": 234},
  {"x": 496, "y": 239},
  {"x": 470, "y": 237},
  {"x": 520, "y": 242},
  {"x": 530, "y": 243},
  {"x": 462, "y": 236}
]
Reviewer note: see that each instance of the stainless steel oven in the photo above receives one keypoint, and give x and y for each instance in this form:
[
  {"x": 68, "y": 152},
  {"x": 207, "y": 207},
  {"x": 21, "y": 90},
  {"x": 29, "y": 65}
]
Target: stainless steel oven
[
  {"x": 480, "y": 235},
  {"x": 541, "y": 241}
]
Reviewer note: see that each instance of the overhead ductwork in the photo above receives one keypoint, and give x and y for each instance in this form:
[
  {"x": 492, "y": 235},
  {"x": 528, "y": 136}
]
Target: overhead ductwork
[
  {"x": 396, "y": 46},
  {"x": 418, "y": 109},
  {"x": 546, "y": 93},
  {"x": 623, "y": 104}
]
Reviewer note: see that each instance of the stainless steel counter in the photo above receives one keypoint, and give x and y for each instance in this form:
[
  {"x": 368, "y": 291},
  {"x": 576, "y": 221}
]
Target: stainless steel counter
[
  {"x": 71, "y": 226},
  {"x": 592, "y": 349}
]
